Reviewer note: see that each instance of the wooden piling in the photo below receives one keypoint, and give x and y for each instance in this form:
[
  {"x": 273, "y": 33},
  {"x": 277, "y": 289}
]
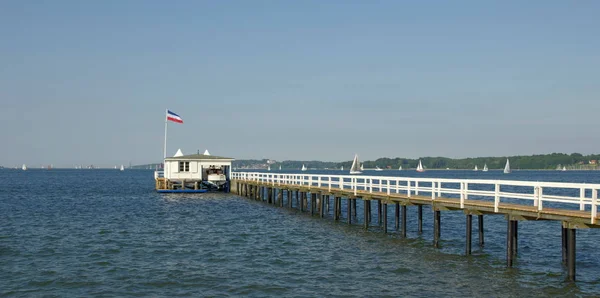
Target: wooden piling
[
  {"x": 336, "y": 215},
  {"x": 403, "y": 232},
  {"x": 313, "y": 203},
  {"x": 420, "y": 218},
  {"x": 468, "y": 237},
  {"x": 365, "y": 211},
  {"x": 436, "y": 228},
  {"x": 397, "y": 216},
  {"x": 564, "y": 245},
  {"x": 379, "y": 212},
  {"x": 571, "y": 256},
  {"x": 480, "y": 223},
  {"x": 510, "y": 251},
  {"x": 349, "y": 205},
  {"x": 384, "y": 215}
]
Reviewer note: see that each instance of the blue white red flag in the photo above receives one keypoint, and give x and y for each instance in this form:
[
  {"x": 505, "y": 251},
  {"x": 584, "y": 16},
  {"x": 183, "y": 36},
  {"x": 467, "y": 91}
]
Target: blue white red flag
[{"x": 174, "y": 117}]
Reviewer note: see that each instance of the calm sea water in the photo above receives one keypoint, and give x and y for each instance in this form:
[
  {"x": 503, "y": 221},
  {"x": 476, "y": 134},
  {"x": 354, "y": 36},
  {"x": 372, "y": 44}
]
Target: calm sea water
[{"x": 107, "y": 233}]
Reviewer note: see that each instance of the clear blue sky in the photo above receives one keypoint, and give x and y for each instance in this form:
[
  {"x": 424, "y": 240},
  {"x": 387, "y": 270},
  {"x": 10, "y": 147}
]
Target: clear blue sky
[{"x": 86, "y": 82}]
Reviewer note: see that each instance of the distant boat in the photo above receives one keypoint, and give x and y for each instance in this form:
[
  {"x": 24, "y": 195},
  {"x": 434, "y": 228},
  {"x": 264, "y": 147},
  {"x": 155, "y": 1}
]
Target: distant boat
[
  {"x": 354, "y": 169},
  {"x": 115, "y": 167},
  {"x": 378, "y": 169},
  {"x": 507, "y": 167},
  {"x": 400, "y": 168},
  {"x": 342, "y": 168},
  {"x": 420, "y": 167},
  {"x": 268, "y": 167},
  {"x": 303, "y": 167},
  {"x": 361, "y": 167},
  {"x": 564, "y": 169},
  {"x": 24, "y": 167},
  {"x": 485, "y": 168},
  {"x": 280, "y": 167},
  {"x": 122, "y": 168},
  {"x": 475, "y": 169}
]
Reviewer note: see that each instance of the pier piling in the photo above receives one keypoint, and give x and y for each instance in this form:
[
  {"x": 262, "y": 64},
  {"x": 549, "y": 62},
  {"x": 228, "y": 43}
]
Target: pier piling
[
  {"x": 384, "y": 215},
  {"x": 571, "y": 256},
  {"x": 436, "y": 228},
  {"x": 480, "y": 223},
  {"x": 468, "y": 237},
  {"x": 403, "y": 232},
  {"x": 397, "y": 216},
  {"x": 420, "y": 218}
]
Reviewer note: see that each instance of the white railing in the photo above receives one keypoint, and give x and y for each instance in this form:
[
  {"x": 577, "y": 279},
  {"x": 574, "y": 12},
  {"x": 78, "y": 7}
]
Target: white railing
[
  {"x": 537, "y": 193},
  {"x": 159, "y": 174}
]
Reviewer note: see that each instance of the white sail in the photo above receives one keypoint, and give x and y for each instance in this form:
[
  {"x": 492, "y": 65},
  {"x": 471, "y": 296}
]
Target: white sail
[
  {"x": 280, "y": 167},
  {"x": 268, "y": 168},
  {"x": 485, "y": 168},
  {"x": 354, "y": 169},
  {"x": 420, "y": 167},
  {"x": 24, "y": 167},
  {"x": 342, "y": 168},
  {"x": 564, "y": 168},
  {"x": 303, "y": 167},
  {"x": 475, "y": 169},
  {"x": 378, "y": 169},
  {"x": 122, "y": 168},
  {"x": 400, "y": 168},
  {"x": 507, "y": 167},
  {"x": 362, "y": 167}
]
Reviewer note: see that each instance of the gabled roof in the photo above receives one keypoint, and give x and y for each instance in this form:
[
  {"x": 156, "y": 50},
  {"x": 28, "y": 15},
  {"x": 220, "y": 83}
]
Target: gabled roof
[{"x": 198, "y": 157}]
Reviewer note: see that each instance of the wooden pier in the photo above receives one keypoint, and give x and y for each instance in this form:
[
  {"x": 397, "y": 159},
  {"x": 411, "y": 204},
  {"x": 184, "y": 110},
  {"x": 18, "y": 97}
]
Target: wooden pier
[{"x": 573, "y": 204}]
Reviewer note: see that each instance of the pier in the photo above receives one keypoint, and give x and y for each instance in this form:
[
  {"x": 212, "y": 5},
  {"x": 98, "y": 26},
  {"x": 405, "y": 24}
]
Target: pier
[{"x": 575, "y": 205}]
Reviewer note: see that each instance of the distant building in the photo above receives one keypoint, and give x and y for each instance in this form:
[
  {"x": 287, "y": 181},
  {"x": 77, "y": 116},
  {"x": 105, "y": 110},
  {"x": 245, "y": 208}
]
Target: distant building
[{"x": 593, "y": 162}]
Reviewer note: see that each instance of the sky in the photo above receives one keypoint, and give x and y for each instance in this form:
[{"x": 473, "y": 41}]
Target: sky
[{"x": 88, "y": 82}]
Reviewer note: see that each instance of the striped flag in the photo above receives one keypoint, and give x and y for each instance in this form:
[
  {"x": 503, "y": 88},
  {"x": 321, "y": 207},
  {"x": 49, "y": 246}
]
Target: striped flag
[{"x": 173, "y": 117}]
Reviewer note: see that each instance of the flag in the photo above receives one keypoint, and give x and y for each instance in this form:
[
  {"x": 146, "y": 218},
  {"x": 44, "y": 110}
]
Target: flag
[{"x": 174, "y": 117}]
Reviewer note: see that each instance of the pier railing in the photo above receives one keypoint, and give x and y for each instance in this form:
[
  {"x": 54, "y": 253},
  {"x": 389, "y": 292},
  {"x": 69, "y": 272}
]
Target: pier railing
[{"x": 579, "y": 196}]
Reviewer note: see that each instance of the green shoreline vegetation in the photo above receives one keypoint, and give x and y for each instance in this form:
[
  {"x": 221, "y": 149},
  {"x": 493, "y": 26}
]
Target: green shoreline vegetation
[{"x": 574, "y": 161}]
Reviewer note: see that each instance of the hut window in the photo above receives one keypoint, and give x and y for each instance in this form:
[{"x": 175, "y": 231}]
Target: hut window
[{"x": 184, "y": 166}]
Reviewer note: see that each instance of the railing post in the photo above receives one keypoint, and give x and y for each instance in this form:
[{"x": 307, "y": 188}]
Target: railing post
[
  {"x": 341, "y": 183},
  {"x": 319, "y": 181},
  {"x": 416, "y": 187},
  {"x": 408, "y": 185},
  {"x": 581, "y": 198},
  {"x": 496, "y": 197},
  {"x": 536, "y": 198},
  {"x": 355, "y": 180},
  {"x": 433, "y": 190},
  {"x": 388, "y": 187},
  {"x": 462, "y": 195},
  {"x": 540, "y": 195},
  {"x": 310, "y": 181},
  {"x": 371, "y": 185}
]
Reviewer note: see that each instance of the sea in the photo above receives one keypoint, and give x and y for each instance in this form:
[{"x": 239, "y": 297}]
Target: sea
[{"x": 106, "y": 233}]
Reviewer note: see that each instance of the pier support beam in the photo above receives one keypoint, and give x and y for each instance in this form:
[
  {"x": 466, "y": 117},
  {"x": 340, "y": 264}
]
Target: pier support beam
[
  {"x": 436, "y": 228},
  {"x": 571, "y": 253},
  {"x": 397, "y": 216},
  {"x": 349, "y": 205},
  {"x": 384, "y": 217},
  {"x": 480, "y": 223},
  {"x": 403, "y": 232},
  {"x": 289, "y": 198},
  {"x": 468, "y": 238},
  {"x": 379, "y": 212},
  {"x": 321, "y": 205},
  {"x": 354, "y": 207},
  {"x": 313, "y": 203},
  {"x": 420, "y": 218},
  {"x": 366, "y": 214},
  {"x": 336, "y": 214},
  {"x": 511, "y": 242}
]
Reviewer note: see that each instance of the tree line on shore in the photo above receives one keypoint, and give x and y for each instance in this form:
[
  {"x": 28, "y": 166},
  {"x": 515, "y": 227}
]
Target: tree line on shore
[{"x": 540, "y": 161}]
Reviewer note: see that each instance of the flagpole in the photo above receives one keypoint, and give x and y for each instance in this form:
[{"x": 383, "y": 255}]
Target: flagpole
[{"x": 165, "y": 148}]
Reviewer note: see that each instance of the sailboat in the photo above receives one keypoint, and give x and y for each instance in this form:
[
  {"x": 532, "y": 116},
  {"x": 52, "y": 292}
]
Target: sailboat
[
  {"x": 420, "y": 167},
  {"x": 268, "y": 168},
  {"x": 475, "y": 169},
  {"x": 24, "y": 167},
  {"x": 122, "y": 168},
  {"x": 507, "y": 167},
  {"x": 485, "y": 168},
  {"x": 564, "y": 169},
  {"x": 362, "y": 167},
  {"x": 280, "y": 167},
  {"x": 303, "y": 167},
  {"x": 342, "y": 168},
  {"x": 400, "y": 168},
  {"x": 378, "y": 169},
  {"x": 355, "y": 168}
]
